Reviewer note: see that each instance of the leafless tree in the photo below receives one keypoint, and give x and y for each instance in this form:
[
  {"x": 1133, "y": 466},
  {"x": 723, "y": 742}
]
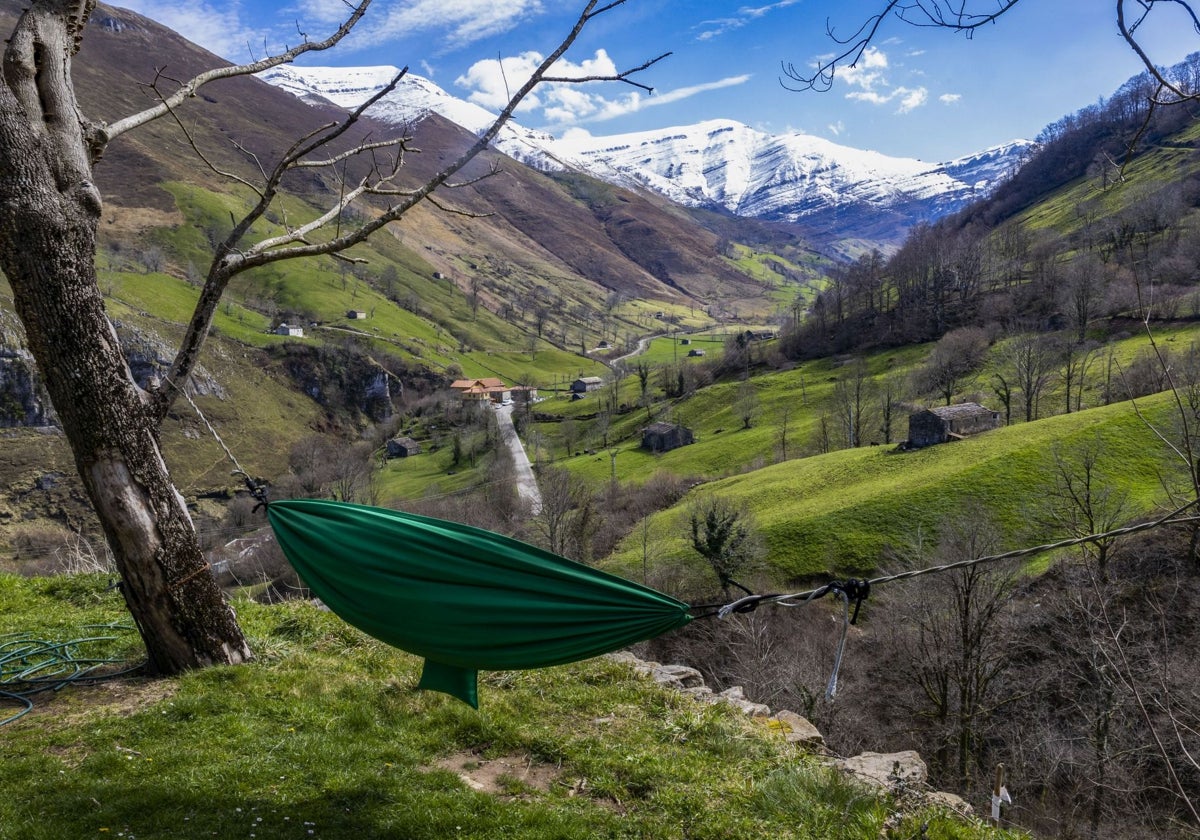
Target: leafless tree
[
  {"x": 852, "y": 400},
  {"x": 783, "y": 429},
  {"x": 567, "y": 518},
  {"x": 959, "y": 651},
  {"x": 1026, "y": 364},
  {"x": 954, "y": 362},
  {"x": 745, "y": 404},
  {"x": 889, "y": 405},
  {"x": 48, "y": 223},
  {"x": 1081, "y": 500}
]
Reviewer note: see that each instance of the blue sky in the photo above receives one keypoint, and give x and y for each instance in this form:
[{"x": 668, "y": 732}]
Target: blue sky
[{"x": 920, "y": 92}]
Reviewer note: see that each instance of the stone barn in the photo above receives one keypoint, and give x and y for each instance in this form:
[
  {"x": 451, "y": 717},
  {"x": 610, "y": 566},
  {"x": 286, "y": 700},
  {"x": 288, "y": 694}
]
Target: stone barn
[
  {"x": 587, "y": 383},
  {"x": 663, "y": 437},
  {"x": 949, "y": 422},
  {"x": 402, "y": 447}
]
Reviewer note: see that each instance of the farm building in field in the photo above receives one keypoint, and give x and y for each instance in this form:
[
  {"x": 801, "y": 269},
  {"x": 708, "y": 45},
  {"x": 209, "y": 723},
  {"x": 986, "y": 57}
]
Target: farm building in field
[
  {"x": 402, "y": 447},
  {"x": 586, "y": 383},
  {"x": 663, "y": 437},
  {"x": 290, "y": 330},
  {"x": 949, "y": 422}
]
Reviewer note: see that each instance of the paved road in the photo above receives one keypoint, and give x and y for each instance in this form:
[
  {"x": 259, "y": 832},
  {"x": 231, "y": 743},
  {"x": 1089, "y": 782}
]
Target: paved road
[
  {"x": 642, "y": 344},
  {"x": 527, "y": 487}
]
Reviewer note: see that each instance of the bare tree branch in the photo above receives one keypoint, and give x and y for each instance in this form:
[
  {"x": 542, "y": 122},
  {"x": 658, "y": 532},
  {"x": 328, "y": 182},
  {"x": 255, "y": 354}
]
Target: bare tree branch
[
  {"x": 188, "y": 89},
  {"x": 967, "y": 16},
  {"x": 232, "y": 257},
  {"x": 623, "y": 76}
]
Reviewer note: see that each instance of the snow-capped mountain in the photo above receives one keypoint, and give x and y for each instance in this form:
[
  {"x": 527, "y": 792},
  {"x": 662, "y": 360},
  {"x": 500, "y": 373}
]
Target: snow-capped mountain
[
  {"x": 841, "y": 193},
  {"x": 783, "y": 177},
  {"x": 414, "y": 98}
]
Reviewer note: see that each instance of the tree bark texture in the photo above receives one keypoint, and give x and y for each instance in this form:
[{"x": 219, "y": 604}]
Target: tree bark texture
[{"x": 49, "y": 209}]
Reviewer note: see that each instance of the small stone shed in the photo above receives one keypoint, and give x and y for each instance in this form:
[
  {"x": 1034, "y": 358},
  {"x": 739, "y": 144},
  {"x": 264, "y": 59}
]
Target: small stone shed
[
  {"x": 949, "y": 422},
  {"x": 663, "y": 437},
  {"x": 587, "y": 383},
  {"x": 402, "y": 447}
]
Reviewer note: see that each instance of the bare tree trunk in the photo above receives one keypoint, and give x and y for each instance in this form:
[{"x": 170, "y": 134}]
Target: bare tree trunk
[
  {"x": 49, "y": 209},
  {"x": 48, "y": 219}
]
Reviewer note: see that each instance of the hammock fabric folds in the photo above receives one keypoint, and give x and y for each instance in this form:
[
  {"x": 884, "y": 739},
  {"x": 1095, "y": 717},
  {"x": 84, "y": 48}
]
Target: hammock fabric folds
[{"x": 463, "y": 598}]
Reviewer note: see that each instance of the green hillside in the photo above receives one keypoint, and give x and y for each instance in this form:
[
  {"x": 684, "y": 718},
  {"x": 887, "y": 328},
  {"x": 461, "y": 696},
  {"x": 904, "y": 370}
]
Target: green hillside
[
  {"x": 839, "y": 513},
  {"x": 325, "y": 736}
]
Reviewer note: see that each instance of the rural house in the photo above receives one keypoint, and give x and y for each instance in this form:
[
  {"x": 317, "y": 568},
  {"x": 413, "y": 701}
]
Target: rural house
[
  {"x": 482, "y": 390},
  {"x": 356, "y": 315},
  {"x": 586, "y": 383},
  {"x": 663, "y": 437},
  {"x": 949, "y": 422},
  {"x": 289, "y": 330},
  {"x": 402, "y": 447}
]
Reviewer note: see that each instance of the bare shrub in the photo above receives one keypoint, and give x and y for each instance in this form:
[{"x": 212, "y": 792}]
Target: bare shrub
[{"x": 51, "y": 549}]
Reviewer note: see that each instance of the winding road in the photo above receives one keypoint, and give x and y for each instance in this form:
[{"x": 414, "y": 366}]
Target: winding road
[{"x": 527, "y": 487}]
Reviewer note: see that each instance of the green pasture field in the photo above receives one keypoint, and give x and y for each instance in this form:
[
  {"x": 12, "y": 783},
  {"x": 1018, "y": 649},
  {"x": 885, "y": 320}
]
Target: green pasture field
[{"x": 841, "y": 513}]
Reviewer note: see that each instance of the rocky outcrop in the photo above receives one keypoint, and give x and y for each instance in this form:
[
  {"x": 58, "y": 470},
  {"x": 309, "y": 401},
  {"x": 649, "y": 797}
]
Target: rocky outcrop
[
  {"x": 23, "y": 401},
  {"x": 149, "y": 358},
  {"x": 901, "y": 774}
]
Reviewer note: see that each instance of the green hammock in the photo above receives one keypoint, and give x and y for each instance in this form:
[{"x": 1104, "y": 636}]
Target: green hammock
[{"x": 463, "y": 598}]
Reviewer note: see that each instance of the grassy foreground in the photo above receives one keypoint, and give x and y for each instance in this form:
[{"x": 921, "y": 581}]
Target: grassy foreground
[{"x": 325, "y": 736}]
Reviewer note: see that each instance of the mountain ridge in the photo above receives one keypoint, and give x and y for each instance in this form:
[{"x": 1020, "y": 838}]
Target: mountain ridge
[{"x": 841, "y": 194}]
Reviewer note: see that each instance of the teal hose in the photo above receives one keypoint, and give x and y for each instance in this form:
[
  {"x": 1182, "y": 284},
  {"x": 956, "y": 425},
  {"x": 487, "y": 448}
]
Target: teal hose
[{"x": 29, "y": 666}]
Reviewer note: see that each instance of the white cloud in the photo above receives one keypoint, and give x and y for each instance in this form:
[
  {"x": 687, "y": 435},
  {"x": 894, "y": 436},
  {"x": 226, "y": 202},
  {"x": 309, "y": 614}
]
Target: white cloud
[
  {"x": 867, "y": 72},
  {"x": 911, "y": 99},
  {"x": 464, "y": 21},
  {"x": 836, "y": 128},
  {"x": 871, "y": 97},
  {"x": 219, "y": 25},
  {"x": 949, "y": 98},
  {"x": 717, "y": 27},
  {"x": 908, "y": 99},
  {"x": 217, "y": 29},
  {"x": 572, "y": 104},
  {"x": 490, "y": 84},
  {"x": 576, "y": 133}
]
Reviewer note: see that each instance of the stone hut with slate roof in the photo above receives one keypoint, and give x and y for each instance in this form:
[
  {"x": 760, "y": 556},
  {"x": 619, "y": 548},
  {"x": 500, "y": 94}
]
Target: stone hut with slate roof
[{"x": 949, "y": 422}]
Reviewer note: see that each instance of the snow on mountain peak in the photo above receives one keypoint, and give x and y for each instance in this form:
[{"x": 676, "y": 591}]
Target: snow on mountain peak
[{"x": 714, "y": 163}]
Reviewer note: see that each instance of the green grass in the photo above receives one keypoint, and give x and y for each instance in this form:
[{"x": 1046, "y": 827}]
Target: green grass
[
  {"x": 1150, "y": 169},
  {"x": 325, "y": 736},
  {"x": 838, "y": 513}
]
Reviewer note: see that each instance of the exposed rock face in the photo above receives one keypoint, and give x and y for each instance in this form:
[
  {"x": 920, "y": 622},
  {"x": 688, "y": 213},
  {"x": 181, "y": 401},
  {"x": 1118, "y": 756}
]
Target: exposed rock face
[
  {"x": 23, "y": 402},
  {"x": 150, "y": 357}
]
